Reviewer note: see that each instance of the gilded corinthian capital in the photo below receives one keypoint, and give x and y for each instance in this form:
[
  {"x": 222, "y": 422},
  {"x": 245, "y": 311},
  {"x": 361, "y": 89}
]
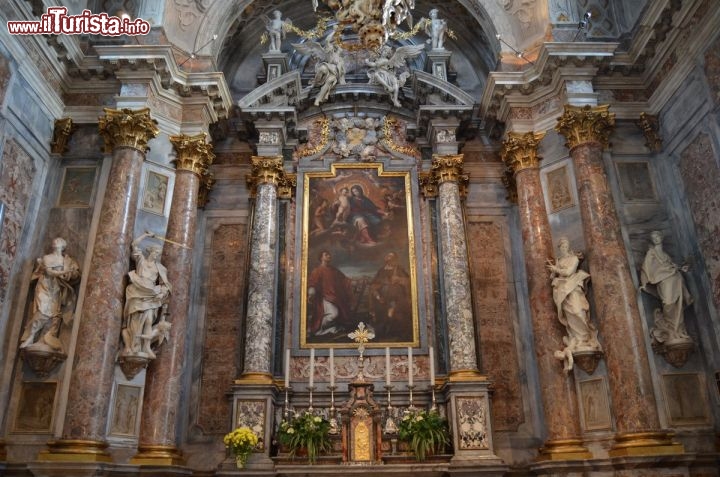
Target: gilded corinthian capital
[
  {"x": 127, "y": 128},
  {"x": 520, "y": 151},
  {"x": 444, "y": 168},
  {"x": 268, "y": 170},
  {"x": 585, "y": 124},
  {"x": 193, "y": 153}
]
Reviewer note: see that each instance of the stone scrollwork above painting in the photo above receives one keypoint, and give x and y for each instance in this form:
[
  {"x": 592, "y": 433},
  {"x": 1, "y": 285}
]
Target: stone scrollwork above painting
[{"x": 471, "y": 421}]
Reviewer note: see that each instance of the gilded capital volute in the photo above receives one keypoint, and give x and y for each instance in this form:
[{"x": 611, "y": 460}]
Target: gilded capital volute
[
  {"x": 193, "y": 153},
  {"x": 127, "y": 128},
  {"x": 586, "y": 124},
  {"x": 520, "y": 151},
  {"x": 268, "y": 170},
  {"x": 447, "y": 168}
]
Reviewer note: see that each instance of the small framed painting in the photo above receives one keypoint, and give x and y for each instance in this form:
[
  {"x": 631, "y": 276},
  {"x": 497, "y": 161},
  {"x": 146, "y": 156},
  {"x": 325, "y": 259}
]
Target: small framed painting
[
  {"x": 78, "y": 187},
  {"x": 155, "y": 187}
]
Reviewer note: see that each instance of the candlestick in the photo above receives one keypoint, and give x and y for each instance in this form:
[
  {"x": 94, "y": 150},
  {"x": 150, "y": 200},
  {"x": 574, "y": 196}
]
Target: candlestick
[
  {"x": 310, "y": 406},
  {"x": 331, "y": 364},
  {"x": 410, "y": 367},
  {"x": 411, "y": 407},
  {"x": 432, "y": 366},
  {"x": 287, "y": 368},
  {"x": 312, "y": 367},
  {"x": 387, "y": 366}
]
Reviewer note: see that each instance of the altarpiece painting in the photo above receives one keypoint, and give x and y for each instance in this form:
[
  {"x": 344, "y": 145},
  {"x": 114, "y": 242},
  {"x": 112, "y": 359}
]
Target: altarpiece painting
[{"x": 358, "y": 257}]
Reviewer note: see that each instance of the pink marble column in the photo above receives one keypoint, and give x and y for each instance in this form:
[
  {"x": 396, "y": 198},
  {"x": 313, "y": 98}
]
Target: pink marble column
[
  {"x": 158, "y": 429},
  {"x": 587, "y": 131},
  {"x": 557, "y": 388},
  {"x": 126, "y": 134}
]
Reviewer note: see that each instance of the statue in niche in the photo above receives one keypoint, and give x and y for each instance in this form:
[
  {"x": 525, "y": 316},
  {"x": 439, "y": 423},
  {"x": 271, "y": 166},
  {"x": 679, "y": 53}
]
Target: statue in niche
[
  {"x": 330, "y": 70},
  {"x": 56, "y": 274},
  {"x": 275, "y": 28},
  {"x": 145, "y": 302},
  {"x": 382, "y": 69},
  {"x": 660, "y": 277},
  {"x": 436, "y": 28},
  {"x": 572, "y": 306}
]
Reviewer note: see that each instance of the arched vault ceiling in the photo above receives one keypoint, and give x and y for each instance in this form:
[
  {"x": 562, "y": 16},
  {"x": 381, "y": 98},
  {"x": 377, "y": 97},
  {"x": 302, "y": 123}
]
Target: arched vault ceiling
[{"x": 191, "y": 24}]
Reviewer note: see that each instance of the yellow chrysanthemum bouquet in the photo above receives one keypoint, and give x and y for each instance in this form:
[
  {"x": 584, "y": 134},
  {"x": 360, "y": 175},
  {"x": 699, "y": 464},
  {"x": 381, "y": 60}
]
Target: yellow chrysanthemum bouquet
[{"x": 241, "y": 442}]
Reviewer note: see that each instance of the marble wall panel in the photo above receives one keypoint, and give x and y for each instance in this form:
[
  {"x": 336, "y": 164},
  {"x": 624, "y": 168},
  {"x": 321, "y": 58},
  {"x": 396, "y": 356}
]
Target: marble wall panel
[
  {"x": 712, "y": 69},
  {"x": 5, "y": 74},
  {"x": 700, "y": 174},
  {"x": 594, "y": 405},
  {"x": 35, "y": 407},
  {"x": 125, "y": 413},
  {"x": 16, "y": 176},
  {"x": 686, "y": 399},
  {"x": 494, "y": 315},
  {"x": 224, "y": 311}
]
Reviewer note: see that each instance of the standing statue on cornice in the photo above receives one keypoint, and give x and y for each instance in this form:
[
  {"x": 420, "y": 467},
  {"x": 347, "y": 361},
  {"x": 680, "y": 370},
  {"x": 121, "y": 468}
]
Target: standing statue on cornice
[
  {"x": 436, "y": 28},
  {"x": 331, "y": 67},
  {"x": 382, "y": 69},
  {"x": 275, "y": 31}
]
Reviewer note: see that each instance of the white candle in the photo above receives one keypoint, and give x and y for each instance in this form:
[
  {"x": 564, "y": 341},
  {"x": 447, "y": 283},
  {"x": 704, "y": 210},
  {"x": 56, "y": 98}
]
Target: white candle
[
  {"x": 331, "y": 363},
  {"x": 410, "y": 366},
  {"x": 312, "y": 367},
  {"x": 432, "y": 366},
  {"x": 287, "y": 368},
  {"x": 387, "y": 366}
]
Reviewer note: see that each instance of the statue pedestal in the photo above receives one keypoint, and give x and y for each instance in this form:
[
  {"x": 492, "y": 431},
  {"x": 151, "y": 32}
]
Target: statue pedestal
[
  {"x": 361, "y": 417},
  {"x": 253, "y": 397},
  {"x": 438, "y": 62},
  {"x": 276, "y": 64}
]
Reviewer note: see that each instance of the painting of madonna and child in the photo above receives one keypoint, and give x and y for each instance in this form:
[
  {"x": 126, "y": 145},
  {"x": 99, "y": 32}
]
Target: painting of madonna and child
[{"x": 358, "y": 257}]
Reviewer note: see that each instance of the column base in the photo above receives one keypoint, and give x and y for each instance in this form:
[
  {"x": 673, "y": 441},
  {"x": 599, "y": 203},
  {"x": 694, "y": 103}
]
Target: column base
[
  {"x": 158, "y": 455},
  {"x": 645, "y": 444},
  {"x": 255, "y": 378},
  {"x": 76, "y": 450},
  {"x": 565, "y": 449},
  {"x": 466, "y": 376}
]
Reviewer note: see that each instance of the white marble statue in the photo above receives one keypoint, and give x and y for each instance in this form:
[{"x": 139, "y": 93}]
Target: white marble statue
[
  {"x": 56, "y": 274},
  {"x": 660, "y": 277},
  {"x": 145, "y": 302},
  {"x": 436, "y": 29},
  {"x": 330, "y": 69},
  {"x": 382, "y": 69},
  {"x": 275, "y": 30},
  {"x": 572, "y": 306}
]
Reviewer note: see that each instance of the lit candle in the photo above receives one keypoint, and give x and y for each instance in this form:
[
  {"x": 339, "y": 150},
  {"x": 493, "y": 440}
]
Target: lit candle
[
  {"x": 410, "y": 366},
  {"x": 387, "y": 366},
  {"x": 287, "y": 368},
  {"x": 332, "y": 367},
  {"x": 432, "y": 366},
  {"x": 312, "y": 367}
]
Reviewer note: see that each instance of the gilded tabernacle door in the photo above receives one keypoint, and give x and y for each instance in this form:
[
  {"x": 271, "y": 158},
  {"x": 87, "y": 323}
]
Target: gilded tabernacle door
[{"x": 358, "y": 257}]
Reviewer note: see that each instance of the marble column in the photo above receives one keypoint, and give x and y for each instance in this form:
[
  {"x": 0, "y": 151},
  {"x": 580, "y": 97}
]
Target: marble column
[
  {"x": 587, "y": 130},
  {"x": 267, "y": 173},
  {"x": 126, "y": 134},
  {"x": 447, "y": 173},
  {"x": 158, "y": 429},
  {"x": 557, "y": 388}
]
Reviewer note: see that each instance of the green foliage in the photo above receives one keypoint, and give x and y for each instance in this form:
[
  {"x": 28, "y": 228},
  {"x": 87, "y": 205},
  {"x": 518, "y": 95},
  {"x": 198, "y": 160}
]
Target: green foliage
[
  {"x": 424, "y": 431},
  {"x": 307, "y": 431}
]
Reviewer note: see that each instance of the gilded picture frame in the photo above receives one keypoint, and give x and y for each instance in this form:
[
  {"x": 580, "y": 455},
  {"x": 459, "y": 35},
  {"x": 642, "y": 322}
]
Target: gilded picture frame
[{"x": 358, "y": 257}]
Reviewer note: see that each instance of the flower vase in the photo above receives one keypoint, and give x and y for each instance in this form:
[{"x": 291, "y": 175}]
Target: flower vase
[{"x": 241, "y": 460}]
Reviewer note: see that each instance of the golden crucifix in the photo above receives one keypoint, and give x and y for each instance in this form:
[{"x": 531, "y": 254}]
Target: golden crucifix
[{"x": 361, "y": 336}]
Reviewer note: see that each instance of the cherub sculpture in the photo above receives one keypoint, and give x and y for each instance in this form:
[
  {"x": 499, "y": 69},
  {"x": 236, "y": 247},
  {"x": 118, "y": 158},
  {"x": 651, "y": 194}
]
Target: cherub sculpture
[
  {"x": 331, "y": 67},
  {"x": 275, "y": 30},
  {"x": 382, "y": 69}
]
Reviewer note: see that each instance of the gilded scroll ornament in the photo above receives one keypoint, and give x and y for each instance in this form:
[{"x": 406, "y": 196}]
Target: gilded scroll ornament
[
  {"x": 520, "y": 151},
  {"x": 207, "y": 182},
  {"x": 580, "y": 125},
  {"x": 322, "y": 144},
  {"x": 61, "y": 135},
  {"x": 193, "y": 153},
  {"x": 127, "y": 128},
  {"x": 650, "y": 126},
  {"x": 388, "y": 126}
]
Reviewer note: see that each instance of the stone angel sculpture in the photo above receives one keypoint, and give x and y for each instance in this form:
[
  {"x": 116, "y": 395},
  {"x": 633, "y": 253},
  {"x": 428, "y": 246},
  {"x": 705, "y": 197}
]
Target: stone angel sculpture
[
  {"x": 382, "y": 69},
  {"x": 275, "y": 30},
  {"x": 331, "y": 67}
]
